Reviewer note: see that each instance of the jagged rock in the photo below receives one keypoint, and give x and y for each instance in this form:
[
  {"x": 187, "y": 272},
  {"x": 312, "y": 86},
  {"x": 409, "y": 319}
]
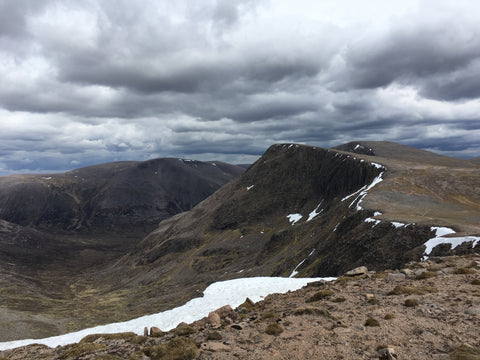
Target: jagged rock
[
  {"x": 419, "y": 272},
  {"x": 398, "y": 276},
  {"x": 155, "y": 332},
  {"x": 214, "y": 320},
  {"x": 226, "y": 311},
  {"x": 407, "y": 272},
  {"x": 249, "y": 302},
  {"x": 387, "y": 354},
  {"x": 361, "y": 270}
]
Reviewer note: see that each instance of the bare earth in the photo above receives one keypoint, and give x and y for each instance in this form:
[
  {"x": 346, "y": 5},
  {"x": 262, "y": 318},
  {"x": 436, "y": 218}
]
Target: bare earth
[{"x": 322, "y": 321}]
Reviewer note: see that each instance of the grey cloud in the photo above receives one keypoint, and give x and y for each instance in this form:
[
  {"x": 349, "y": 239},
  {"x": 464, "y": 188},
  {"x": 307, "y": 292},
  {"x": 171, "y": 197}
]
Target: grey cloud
[
  {"x": 13, "y": 16},
  {"x": 462, "y": 84},
  {"x": 172, "y": 78},
  {"x": 425, "y": 56}
]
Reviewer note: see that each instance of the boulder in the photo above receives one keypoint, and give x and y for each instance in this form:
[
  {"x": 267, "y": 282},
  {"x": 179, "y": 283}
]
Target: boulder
[
  {"x": 214, "y": 320},
  {"x": 387, "y": 354},
  {"x": 398, "y": 276},
  {"x": 155, "y": 332},
  {"x": 226, "y": 311},
  {"x": 361, "y": 270}
]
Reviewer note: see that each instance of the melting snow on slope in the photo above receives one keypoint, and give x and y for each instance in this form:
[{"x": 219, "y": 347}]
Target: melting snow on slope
[
  {"x": 375, "y": 221},
  {"x": 315, "y": 212},
  {"x": 442, "y": 231},
  {"x": 231, "y": 292},
  {"x": 362, "y": 192},
  {"x": 453, "y": 241},
  {"x": 293, "y": 218},
  {"x": 295, "y": 272}
]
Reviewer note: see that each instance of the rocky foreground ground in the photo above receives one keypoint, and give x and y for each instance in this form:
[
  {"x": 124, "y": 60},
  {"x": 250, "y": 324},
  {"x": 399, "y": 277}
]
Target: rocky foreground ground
[{"x": 428, "y": 310}]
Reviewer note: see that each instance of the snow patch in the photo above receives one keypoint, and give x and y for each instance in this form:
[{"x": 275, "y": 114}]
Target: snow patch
[
  {"x": 335, "y": 228},
  {"x": 453, "y": 241},
  {"x": 356, "y": 147},
  {"x": 442, "y": 231},
  {"x": 315, "y": 212},
  {"x": 375, "y": 221},
  {"x": 397, "y": 224},
  {"x": 364, "y": 191},
  {"x": 369, "y": 220},
  {"x": 230, "y": 292},
  {"x": 293, "y": 218},
  {"x": 295, "y": 272},
  {"x": 249, "y": 187},
  {"x": 378, "y": 166}
]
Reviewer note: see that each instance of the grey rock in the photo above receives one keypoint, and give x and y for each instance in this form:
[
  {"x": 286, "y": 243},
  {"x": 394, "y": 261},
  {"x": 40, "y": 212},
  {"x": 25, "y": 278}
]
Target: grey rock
[
  {"x": 398, "y": 276},
  {"x": 420, "y": 272},
  {"x": 387, "y": 354},
  {"x": 473, "y": 311},
  {"x": 361, "y": 270},
  {"x": 407, "y": 272}
]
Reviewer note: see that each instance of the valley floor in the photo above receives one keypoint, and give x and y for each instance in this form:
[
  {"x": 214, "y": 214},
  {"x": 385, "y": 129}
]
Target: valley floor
[{"x": 429, "y": 310}]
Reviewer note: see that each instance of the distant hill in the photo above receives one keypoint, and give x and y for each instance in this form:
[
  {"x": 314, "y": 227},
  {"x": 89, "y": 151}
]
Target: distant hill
[{"x": 111, "y": 197}]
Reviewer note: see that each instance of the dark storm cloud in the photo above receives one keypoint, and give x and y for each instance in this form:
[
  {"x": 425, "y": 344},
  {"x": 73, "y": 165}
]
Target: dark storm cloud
[
  {"x": 436, "y": 58},
  {"x": 116, "y": 79}
]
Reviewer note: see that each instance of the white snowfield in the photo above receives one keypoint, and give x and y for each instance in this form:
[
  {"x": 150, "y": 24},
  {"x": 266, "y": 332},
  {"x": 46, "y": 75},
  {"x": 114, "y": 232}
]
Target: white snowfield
[
  {"x": 230, "y": 292},
  {"x": 453, "y": 241}
]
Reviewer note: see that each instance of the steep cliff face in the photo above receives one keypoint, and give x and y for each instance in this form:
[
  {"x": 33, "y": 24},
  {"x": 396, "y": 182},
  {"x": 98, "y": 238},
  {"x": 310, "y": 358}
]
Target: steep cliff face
[{"x": 307, "y": 211}]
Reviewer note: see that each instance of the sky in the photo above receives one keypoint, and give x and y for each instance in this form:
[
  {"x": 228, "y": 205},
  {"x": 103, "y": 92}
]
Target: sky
[{"x": 87, "y": 82}]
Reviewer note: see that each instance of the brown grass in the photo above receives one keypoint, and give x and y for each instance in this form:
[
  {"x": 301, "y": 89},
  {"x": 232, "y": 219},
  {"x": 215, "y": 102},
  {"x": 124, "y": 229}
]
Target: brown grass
[
  {"x": 465, "y": 271},
  {"x": 411, "y": 290},
  {"x": 411, "y": 303},
  {"x": 274, "y": 329},
  {"x": 426, "y": 275},
  {"x": 320, "y": 295},
  {"x": 312, "y": 311},
  {"x": 465, "y": 352},
  {"x": 371, "y": 322},
  {"x": 184, "y": 330},
  {"x": 175, "y": 349}
]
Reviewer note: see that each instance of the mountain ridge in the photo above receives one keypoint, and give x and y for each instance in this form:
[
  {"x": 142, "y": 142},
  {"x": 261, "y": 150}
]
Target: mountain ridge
[{"x": 355, "y": 209}]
